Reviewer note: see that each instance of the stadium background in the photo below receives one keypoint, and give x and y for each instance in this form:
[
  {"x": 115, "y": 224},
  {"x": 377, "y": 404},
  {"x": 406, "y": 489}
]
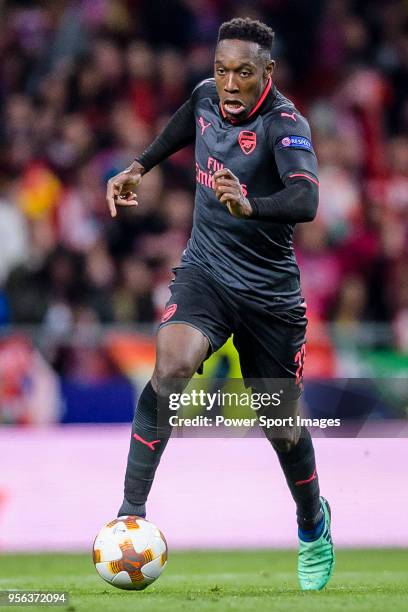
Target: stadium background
[{"x": 84, "y": 86}]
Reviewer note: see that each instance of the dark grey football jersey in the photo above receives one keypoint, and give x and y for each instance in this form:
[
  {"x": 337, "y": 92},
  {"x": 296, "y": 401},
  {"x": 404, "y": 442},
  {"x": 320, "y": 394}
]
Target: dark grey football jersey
[{"x": 253, "y": 257}]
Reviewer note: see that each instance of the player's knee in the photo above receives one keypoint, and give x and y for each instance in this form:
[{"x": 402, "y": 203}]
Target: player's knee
[
  {"x": 285, "y": 440},
  {"x": 172, "y": 374},
  {"x": 283, "y": 445},
  {"x": 176, "y": 367}
]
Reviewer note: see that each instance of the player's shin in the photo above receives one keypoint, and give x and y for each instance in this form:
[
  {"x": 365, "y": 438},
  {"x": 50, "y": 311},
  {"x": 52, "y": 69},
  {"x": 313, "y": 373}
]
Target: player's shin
[
  {"x": 148, "y": 441},
  {"x": 299, "y": 466}
]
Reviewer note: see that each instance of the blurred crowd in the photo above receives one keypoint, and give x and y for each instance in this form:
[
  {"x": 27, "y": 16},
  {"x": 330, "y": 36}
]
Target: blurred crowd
[{"x": 85, "y": 86}]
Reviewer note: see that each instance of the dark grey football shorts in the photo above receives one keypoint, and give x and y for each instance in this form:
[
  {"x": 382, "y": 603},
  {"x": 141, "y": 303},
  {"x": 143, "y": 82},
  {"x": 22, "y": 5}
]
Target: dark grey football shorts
[{"x": 270, "y": 345}]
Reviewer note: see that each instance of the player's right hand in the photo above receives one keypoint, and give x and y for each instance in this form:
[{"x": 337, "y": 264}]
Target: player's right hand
[{"x": 120, "y": 188}]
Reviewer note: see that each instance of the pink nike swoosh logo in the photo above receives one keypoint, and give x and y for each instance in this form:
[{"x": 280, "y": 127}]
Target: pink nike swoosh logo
[
  {"x": 299, "y": 483},
  {"x": 292, "y": 116},
  {"x": 145, "y": 442}
]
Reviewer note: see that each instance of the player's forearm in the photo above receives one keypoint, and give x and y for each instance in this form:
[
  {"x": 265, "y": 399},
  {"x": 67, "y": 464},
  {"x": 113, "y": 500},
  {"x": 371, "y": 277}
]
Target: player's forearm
[
  {"x": 296, "y": 203},
  {"x": 178, "y": 133}
]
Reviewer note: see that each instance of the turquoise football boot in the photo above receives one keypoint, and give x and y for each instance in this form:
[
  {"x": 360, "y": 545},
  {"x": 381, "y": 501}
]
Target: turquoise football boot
[{"x": 316, "y": 559}]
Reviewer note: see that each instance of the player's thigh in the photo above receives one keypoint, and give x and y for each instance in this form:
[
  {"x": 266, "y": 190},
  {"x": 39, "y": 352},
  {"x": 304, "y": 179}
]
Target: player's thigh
[
  {"x": 271, "y": 349},
  {"x": 272, "y": 346},
  {"x": 180, "y": 350},
  {"x": 197, "y": 300},
  {"x": 194, "y": 324}
]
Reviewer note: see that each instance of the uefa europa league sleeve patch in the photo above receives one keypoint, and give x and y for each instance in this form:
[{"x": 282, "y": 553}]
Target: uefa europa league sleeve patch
[{"x": 295, "y": 142}]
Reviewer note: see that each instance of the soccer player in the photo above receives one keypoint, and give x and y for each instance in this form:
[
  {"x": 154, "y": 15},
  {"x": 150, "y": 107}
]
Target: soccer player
[{"x": 256, "y": 175}]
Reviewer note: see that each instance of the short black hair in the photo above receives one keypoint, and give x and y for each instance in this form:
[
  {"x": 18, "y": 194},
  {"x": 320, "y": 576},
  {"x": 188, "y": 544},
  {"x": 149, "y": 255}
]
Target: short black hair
[{"x": 247, "y": 29}]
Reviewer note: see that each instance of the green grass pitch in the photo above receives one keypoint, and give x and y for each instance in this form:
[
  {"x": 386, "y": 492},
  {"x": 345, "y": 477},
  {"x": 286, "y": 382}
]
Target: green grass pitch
[{"x": 369, "y": 580}]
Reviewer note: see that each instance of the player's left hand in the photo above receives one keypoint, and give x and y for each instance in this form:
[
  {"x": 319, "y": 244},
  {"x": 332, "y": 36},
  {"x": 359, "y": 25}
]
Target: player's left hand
[{"x": 229, "y": 192}]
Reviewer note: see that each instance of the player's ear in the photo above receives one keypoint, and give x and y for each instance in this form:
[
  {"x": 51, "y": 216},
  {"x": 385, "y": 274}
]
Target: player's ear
[{"x": 269, "y": 68}]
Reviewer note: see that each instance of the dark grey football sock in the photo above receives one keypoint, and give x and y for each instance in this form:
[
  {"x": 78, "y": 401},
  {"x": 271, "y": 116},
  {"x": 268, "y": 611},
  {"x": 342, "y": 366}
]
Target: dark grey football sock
[
  {"x": 132, "y": 509},
  {"x": 147, "y": 444},
  {"x": 299, "y": 467}
]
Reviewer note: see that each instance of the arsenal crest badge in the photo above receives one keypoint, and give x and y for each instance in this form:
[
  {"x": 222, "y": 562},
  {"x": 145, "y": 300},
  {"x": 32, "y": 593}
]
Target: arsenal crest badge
[
  {"x": 247, "y": 141},
  {"x": 168, "y": 313}
]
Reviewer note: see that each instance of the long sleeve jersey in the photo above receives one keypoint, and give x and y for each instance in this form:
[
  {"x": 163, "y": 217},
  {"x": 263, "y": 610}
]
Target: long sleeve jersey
[{"x": 272, "y": 155}]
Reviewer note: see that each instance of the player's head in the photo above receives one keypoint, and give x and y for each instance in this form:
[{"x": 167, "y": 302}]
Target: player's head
[{"x": 243, "y": 64}]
